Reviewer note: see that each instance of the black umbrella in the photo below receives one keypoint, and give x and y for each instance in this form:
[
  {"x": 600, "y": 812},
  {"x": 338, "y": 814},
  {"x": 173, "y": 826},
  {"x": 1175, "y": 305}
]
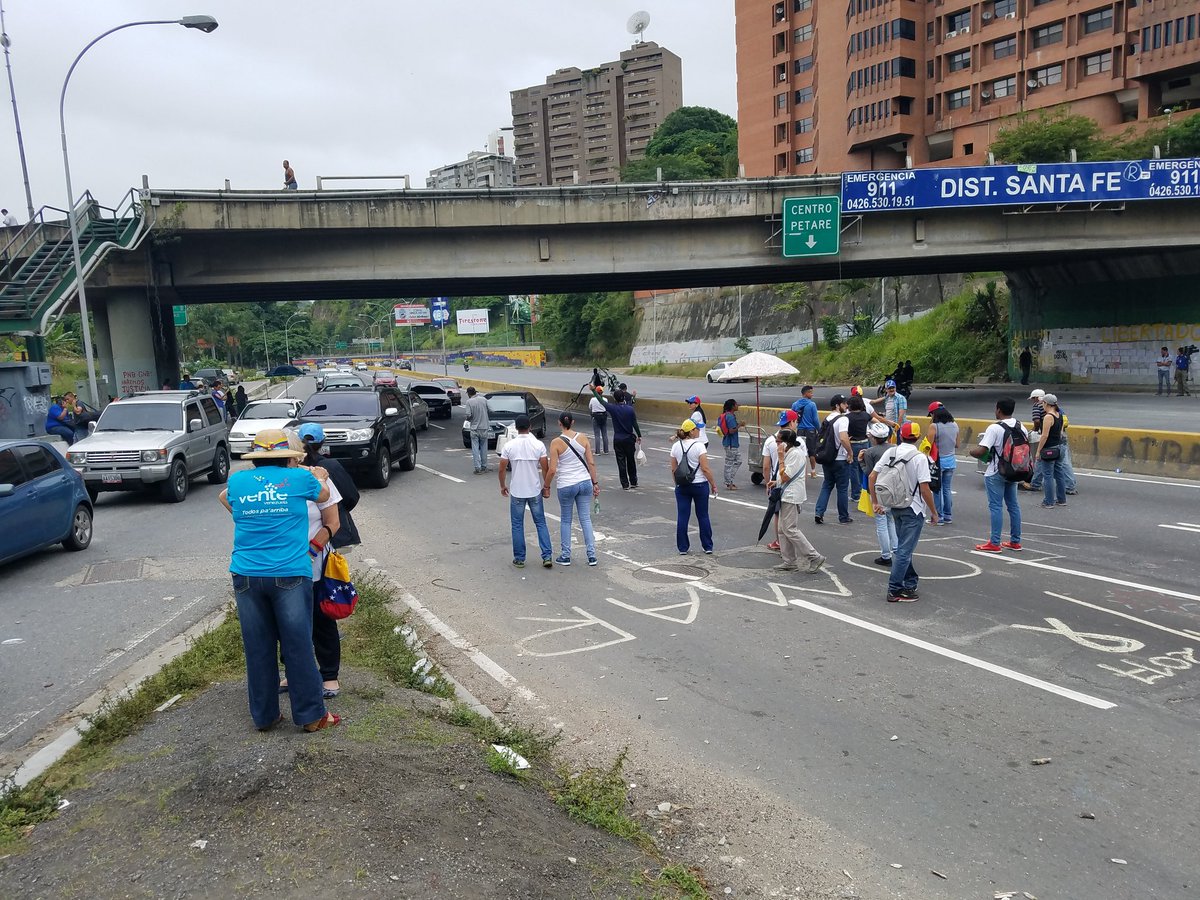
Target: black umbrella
[
  {"x": 772, "y": 511},
  {"x": 284, "y": 372}
]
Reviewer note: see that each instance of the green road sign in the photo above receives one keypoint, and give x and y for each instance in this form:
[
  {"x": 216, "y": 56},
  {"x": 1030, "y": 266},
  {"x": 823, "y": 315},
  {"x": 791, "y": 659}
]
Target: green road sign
[
  {"x": 340, "y": 345},
  {"x": 812, "y": 226},
  {"x": 180, "y": 315}
]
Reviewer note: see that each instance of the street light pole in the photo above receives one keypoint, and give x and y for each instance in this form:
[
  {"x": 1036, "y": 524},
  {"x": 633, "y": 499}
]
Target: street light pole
[
  {"x": 206, "y": 24},
  {"x": 12, "y": 92}
]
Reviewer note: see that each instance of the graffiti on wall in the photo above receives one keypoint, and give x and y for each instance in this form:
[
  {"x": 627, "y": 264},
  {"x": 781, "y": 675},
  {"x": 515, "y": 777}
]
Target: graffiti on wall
[
  {"x": 134, "y": 380},
  {"x": 1116, "y": 354}
]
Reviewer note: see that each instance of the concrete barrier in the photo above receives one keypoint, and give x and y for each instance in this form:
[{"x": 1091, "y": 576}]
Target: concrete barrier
[{"x": 1173, "y": 454}]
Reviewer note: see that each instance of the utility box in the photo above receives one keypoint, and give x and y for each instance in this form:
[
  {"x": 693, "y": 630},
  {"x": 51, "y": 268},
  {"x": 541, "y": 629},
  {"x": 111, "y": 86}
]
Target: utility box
[{"x": 24, "y": 399}]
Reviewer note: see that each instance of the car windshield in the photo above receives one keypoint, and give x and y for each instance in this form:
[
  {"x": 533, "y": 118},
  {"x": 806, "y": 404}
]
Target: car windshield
[
  {"x": 428, "y": 390},
  {"x": 447, "y": 382},
  {"x": 356, "y": 404},
  {"x": 334, "y": 381},
  {"x": 506, "y": 405},
  {"x": 267, "y": 411},
  {"x": 141, "y": 417}
]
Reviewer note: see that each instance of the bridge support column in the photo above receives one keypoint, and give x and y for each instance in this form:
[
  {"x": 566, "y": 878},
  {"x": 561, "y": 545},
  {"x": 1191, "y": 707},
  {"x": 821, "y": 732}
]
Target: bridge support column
[
  {"x": 35, "y": 348},
  {"x": 129, "y": 342}
]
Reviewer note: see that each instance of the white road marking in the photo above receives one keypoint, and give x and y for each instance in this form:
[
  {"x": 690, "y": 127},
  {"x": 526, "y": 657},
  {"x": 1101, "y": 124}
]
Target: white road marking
[
  {"x": 486, "y": 664},
  {"x": 1119, "y": 614},
  {"x": 1037, "y": 525},
  {"x": 972, "y": 569},
  {"x": 1139, "y": 480},
  {"x": 1105, "y": 643},
  {"x": 680, "y": 575},
  {"x": 599, "y": 536},
  {"x": 692, "y": 606},
  {"x": 1194, "y": 529},
  {"x": 440, "y": 474},
  {"x": 438, "y": 427},
  {"x": 842, "y": 590},
  {"x": 587, "y": 621},
  {"x": 699, "y": 585},
  {"x": 757, "y": 506},
  {"x": 1107, "y": 579},
  {"x": 1002, "y": 671}
]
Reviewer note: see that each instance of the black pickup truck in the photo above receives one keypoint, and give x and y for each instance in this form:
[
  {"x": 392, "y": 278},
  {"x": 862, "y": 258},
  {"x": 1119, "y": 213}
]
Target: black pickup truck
[{"x": 367, "y": 431}]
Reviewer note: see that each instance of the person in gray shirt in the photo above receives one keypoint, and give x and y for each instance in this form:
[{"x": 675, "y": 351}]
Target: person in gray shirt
[{"x": 477, "y": 415}]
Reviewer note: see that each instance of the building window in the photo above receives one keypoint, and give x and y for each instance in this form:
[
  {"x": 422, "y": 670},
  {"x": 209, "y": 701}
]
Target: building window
[
  {"x": 1048, "y": 75},
  {"x": 903, "y": 67},
  {"x": 959, "y": 20},
  {"x": 1004, "y": 8},
  {"x": 1004, "y": 47},
  {"x": 1041, "y": 2},
  {"x": 1098, "y": 63},
  {"x": 780, "y": 103},
  {"x": 781, "y": 133},
  {"x": 929, "y": 106},
  {"x": 905, "y": 29},
  {"x": 780, "y": 163},
  {"x": 1004, "y": 87},
  {"x": 804, "y": 155},
  {"x": 958, "y": 99},
  {"x": 1099, "y": 20},
  {"x": 1047, "y": 34},
  {"x": 804, "y": 95},
  {"x": 968, "y": 149},
  {"x": 904, "y": 106},
  {"x": 801, "y": 5},
  {"x": 805, "y": 125},
  {"x": 780, "y": 42},
  {"x": 960, "y": 60},
  {"x": 779, "y": 12},
  {"x": 804, "y": 64},
  {"x": 803, "y": 33}
]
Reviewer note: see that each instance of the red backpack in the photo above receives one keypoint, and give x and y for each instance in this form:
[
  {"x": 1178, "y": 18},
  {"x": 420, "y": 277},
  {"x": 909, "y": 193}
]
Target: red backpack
[{"x": 1015, "y": 462}]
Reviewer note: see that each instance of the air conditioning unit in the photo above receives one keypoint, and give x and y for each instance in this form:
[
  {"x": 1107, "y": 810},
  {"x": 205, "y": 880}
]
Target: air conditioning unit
[
  {"x": 987, "y": 16},
  {"x": 966, "y": 30},
  {"x": 1011, "y": 15},
  {"x": 783, "y": 76},
  {"x": 951, "y": 34},
  {"x": 985, "y": 95}
]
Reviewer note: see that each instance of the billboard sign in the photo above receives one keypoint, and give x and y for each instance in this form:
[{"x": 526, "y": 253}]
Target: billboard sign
[
  {"x": 407, "y": 314},
  {"x": 1095, "y": 182},
  {"x": 472, "y": 321}
]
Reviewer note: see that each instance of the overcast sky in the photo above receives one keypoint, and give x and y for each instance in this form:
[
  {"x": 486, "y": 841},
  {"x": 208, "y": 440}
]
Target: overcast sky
[{"x": 358, "y": 87}]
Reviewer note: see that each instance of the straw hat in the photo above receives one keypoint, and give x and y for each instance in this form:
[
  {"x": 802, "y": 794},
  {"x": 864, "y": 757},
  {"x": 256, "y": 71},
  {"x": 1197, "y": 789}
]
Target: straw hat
[{"x": 275, "y": 443}]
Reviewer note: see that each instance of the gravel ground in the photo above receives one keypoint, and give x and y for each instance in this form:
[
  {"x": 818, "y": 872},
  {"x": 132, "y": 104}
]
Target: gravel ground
[{"x": 393, "y": 803}]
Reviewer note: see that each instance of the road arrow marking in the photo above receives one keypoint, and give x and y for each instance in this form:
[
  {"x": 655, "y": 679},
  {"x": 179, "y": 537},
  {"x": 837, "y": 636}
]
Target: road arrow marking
[
  {"x": 811, "y": 242},
  {"x": 587, "y": 621},
  {"x": 715, "y": 590},
  {"x": 841, "y": 589},
  {"x": 692, "y": 606}
]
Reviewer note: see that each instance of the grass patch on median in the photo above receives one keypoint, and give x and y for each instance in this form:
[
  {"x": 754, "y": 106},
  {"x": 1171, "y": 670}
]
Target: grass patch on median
[{"x": 599, "y": 797}]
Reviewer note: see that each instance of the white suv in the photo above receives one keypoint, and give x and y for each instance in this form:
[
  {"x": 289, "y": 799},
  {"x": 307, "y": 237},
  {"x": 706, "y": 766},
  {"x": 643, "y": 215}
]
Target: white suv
[{"x": 158, "y": 439}]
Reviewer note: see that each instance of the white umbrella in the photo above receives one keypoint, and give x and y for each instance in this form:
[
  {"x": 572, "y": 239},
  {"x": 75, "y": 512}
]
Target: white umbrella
[{"x": 758, "y": 365}]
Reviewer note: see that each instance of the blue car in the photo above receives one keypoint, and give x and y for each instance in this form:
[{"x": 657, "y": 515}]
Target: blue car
[{"x": 42, "y": 500}]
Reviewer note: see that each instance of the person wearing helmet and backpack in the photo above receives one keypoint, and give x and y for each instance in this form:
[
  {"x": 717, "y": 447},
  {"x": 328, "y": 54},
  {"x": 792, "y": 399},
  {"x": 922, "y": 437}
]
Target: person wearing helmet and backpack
[
  {"x": 1005, "y": 446},
  {"x": 899, "y": 487}
]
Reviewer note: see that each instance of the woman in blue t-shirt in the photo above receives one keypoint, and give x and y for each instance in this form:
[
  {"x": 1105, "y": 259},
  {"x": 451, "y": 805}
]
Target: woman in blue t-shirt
[{"x": 272, "y": 578}]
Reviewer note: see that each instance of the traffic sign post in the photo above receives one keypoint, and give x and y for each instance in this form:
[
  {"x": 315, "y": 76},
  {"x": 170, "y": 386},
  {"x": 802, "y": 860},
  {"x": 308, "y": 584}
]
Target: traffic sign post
[
  {"x": 180, "y": 313},
  {"x": 812, "y": 226}
]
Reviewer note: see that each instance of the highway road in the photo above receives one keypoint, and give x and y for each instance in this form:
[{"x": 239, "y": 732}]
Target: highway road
[
  {"x": 856, "y": 734},
  {"x": 1085, "y": 405}
]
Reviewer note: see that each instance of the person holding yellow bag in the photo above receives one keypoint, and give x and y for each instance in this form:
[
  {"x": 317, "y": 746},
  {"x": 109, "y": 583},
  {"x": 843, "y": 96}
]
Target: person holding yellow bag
[{"x": 885, "y": 529}]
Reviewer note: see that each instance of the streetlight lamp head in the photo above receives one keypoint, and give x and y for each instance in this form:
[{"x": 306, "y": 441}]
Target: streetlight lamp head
[{"x": 207, "y": 24}]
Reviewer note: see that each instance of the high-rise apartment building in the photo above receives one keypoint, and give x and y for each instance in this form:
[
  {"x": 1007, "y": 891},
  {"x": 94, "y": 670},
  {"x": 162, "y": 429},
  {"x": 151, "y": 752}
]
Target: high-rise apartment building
[
  {"x": 829, "y": 86},
  {"x": 478, "y": 170},
  {"x": 585, "y": 124}
]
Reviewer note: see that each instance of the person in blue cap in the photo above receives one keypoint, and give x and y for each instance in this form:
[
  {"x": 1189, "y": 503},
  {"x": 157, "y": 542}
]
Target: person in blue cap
[{"x": 313, "y": 436}]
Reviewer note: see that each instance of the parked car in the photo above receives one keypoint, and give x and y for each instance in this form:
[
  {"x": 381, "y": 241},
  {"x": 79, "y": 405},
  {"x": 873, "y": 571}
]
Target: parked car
[
  {"x": 503, "y": 409},
  {"x": 420, "y": 411},
  {"x": 260, "y": 415},
  {"x": 154, "y": 439},
  {"x": 43, "y": 500},
  {"x": 367, "y": 430},
  {"x": 715, "y": 373},
  {"x": 452, "y": 388},
  {"x": 342, "y": 381},
  {"x": 436, "y": 396},
  {"x": 385, "y": 378}
]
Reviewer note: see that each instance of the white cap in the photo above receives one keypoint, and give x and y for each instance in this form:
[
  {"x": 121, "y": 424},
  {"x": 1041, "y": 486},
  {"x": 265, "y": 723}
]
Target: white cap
[
  {"x": 1037, "y": 394},
  {"x": 878, "y": 430}
]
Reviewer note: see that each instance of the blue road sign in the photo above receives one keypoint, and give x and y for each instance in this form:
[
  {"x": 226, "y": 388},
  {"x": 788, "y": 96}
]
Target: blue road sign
[
  {"x": 441, "y": 311},
  {"x": 1148, "y": 179}
]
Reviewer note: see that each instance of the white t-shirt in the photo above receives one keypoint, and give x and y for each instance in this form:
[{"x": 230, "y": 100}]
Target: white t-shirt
[
  {"x": 993, "y": 439},
  {"x": 840, "y": 427},
  {"x": 771, "y": 452},
  {"x": 795, "y": 463},
  {"x": 571, "y": 469},
  {"x": 916, "y": 472},
  {"x": 701, "y": 431},
  {"x": 595, "y": 406},
  {"x": 690, "y": 446},
  {"x": 314, "y": 525},
  {"x": 523, "y": 453}
]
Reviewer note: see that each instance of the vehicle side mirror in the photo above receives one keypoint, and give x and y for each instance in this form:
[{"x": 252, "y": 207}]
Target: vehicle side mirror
[
  {"x": 6, "y": 489},
  {"x": 195, "y": 425},
  {"x": 91, "y": 426},
  {"x": 391, "y": 411}
]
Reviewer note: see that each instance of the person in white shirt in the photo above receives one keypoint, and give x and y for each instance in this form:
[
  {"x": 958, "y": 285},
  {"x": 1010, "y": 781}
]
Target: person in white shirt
[
  {"x": 770, "y": 463},
  {"x": 9, "y": 220},
  {"x": 599, "y": 423},
  {"x": 910, "y": 519},
  {"x": 689, "y": 460},
  {"x": 837, "y": 473},
  {"x": 526, "y": 456},
  {"x": 1000, "y": 491},
  {"x": 793, "y": 543}
]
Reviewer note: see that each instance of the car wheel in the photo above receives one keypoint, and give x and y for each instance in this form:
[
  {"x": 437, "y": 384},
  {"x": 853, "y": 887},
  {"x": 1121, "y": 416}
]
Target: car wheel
[
  {"x": 220, "y": 469},
  {"x": 410, "y": 462},
  {"x": 81, "y": 529},
  {"x": 175, "y": 488},
  {"x": 381, "y": 472},
  {"x": 709, "y": 377}
]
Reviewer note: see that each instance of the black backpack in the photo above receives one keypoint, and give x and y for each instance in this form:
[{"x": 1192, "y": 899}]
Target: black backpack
[{"x": 827, "y": 441}]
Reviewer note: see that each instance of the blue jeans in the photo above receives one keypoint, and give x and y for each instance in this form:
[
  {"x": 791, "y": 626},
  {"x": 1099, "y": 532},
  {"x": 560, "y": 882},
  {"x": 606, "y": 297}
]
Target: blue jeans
[
  {"x": 943, "y": 500},
  {"x": 1164, "y": 380},
  {"x": 479, "y": 448},
  {"x": 1067, "y": 469},
  {"x": 837, "y": 473},
  {"x": 276, "y": 615},
  {"x": 697, "y": 493},
  {"x": 577, "y": 497},
  {"x": 856, "y": 472},
  {"x": 66, "y": 432},
  {"x": 1000, "y": 493},
  {"x": 885, "y": 533},
  {"x": 908, "y": 531},
  {"x": 1054, "y": 481},
  {"x": 516, "y": 512}
]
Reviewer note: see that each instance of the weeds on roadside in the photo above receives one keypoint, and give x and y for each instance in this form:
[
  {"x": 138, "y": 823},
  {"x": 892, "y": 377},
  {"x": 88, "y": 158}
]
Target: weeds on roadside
[
  {"x": 530, "y": 743},
  {"x": 23, "y": 807},
  {"x": 675, "y": 881},
  {"x": 598, "y": 797}
]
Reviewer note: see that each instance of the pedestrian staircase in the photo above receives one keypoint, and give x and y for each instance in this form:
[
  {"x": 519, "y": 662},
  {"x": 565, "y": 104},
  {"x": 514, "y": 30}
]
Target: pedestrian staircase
[{"x": 37, "y": 275}]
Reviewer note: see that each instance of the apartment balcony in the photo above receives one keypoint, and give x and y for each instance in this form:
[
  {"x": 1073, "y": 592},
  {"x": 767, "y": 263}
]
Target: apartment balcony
[{"x": 888, "y": 130}]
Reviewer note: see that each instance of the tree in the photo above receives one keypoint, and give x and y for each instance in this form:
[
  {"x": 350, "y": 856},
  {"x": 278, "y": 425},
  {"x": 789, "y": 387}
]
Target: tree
[
  {"x": 799, "y": 296},
  {"x": 1049, "y": 136},
  {"x": 694, "y": 143}
]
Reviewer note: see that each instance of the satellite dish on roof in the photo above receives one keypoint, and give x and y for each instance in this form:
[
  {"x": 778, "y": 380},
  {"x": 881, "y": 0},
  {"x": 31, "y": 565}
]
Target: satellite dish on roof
[{"x": 638, "y": 23}]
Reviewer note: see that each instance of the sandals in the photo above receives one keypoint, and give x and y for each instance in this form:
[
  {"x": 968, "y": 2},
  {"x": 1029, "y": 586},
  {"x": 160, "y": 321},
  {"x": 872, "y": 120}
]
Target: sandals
[{"x": 326, "y": 721}]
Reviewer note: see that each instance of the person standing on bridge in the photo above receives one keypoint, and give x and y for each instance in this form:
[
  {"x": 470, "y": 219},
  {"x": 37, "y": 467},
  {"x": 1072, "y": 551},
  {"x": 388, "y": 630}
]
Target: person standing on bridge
[
  {"x": 289, "y": 177},
  {"x": 1183, "y": 362},
  {"x": 626, "y": 435},
  {"x": 1163, "y": 363},
  {"x": 10, "y": 221}
]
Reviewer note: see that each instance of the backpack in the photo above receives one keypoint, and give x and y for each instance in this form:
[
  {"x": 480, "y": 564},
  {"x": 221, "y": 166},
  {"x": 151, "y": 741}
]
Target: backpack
[
  {"x": 1015, "y": 462},
  {"x": 891, "y": 481},
  {"x": 684, "y": 475},
  {"x": 721, "y": 430},
  {"x": 827, "y": 441}
]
